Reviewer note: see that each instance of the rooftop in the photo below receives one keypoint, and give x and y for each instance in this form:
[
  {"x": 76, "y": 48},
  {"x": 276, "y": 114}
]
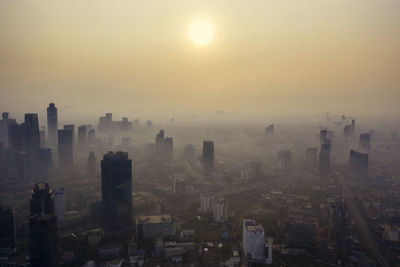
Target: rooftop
[{"x": 154, "y": 219}]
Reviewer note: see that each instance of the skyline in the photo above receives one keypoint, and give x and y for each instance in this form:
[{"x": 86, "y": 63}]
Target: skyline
[{"x": 285, "y": 58}]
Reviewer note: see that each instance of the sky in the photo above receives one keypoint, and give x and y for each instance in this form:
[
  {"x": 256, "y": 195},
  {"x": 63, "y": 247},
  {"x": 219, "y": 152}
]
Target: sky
[{"x": 136, "y": 57}]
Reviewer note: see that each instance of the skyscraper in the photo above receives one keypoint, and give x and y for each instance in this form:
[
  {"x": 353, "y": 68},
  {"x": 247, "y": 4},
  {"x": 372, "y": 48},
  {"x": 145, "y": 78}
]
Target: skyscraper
[
  {"x": 116, "y": 187},
  {"x": 324, "y": 162},
  {"x": 208, "y": 156},
  {"x": 43, "y": 240},
  {"x": 4, "y": 123},
  {"x": 91, "y": 164},
  {"x": 41, "y": 200},
  {"x": 365, "y": 142},
  {"x": 358, "y": 164},
  {"x": 82, "y": 138},
  {"x": 71, "y": 127},
  {"x": 52, "y": 124},
  {"x": 164, "y": 147},
  {"x": 253, "y": 241},
  {"x": 60, "y": 203},
  {"x": 284, "y": 159},
  {"x": 15, "y": 135},
  {"x": 7, "y": 227},
  {"x": 65, "y": 148},
  {"x": 312, "y": 155},
  {"x": 31, "y": 131},
  {"x": 91, "y": 137}
]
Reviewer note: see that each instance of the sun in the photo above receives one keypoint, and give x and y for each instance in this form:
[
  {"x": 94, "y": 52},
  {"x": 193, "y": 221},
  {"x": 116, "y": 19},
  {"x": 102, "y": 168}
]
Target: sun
[{"x": 201, "y": 32}]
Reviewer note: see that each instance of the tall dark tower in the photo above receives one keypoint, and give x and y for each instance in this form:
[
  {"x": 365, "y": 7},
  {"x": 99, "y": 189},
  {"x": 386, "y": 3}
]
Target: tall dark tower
[
  {"x": 358, "y": 164},
  {"x": 15, "y": 136},
  {"x": 7, "y": 228},
  {"x": 82, "y": 138},
  {"x": 43, "y": 240},
  {"x": 65, "y": 148},
  {"x": 116, "y": 187},
  {"x": 208, "y": 156},
  {"x": 324, "y": 162},
  {"x": 52, "y": 124},
  {"x": 31, "y": 129},
  {"x": 41, "y": 200}
]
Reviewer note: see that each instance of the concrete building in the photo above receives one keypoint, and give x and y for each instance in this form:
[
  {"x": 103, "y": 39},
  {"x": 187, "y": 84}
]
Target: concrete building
[
  {"x": 52, "y": 125},
  {"x": 206, "y": 202},
  {"x": 92, "y": 164},
  {"x": 179, "y": 186},
  {"x": 82, "y": 138},
  {"x": 60, "y": 203},
  {"x": 254, "y": 245},
  {"x": 358, "y": 164},
  {"x": 220, "y": 210},
  {"x": 153, "y": 227},
  {"x": 208, "y": 156},
  {"x": 65, "y": 148},
  {"x": 4, "y": 124}
]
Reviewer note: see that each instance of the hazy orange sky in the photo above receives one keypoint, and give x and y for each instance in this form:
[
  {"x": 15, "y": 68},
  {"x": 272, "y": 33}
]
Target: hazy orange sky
[{"x": 303, "y": 56}]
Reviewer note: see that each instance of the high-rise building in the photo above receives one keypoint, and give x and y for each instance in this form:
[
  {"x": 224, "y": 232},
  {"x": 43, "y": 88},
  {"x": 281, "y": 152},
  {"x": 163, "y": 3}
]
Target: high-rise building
[
  {"x": 43, "y": 240},
  {"x": 82, "y": 138},
  {"x": 153, "y": 227},
  {"x": 52, "y": 124},
  {"x": 92, "y": 164},
  {"x": 324, "y": 162},
  {"x": 353, "y": 126},
  {"x": 208, "y": 156},
  {"x": 71, "y": 127},
  {"x": 42, "y": 135},
  {"x": 164, "y": 147},
  {"x": 169, "y": 148},
  {"x": 312, "y": 155},
  {"x": 7, "y": 228},
  {"x": 179, "y": 186},
  {"x": 4, "y": 124},
  {"x": 347, "y": 131},
  {"x": 206, "y": 202},
  {"x": 323, "y": 135},
  {"x": 300, "y": 233},
  {"x": 189, "y": 153},
  {"x": 220, "y": 210},
  {"x": 91, "y": 136},
  {"x": 16, "y": 136},
  {"x": 41, "y": 164},
  {"x": 365, "y": 142},
  {"x": 41, "y": 200},
  {"x": 116, "y": 181},
  {"x": 358, "y": 163},
  {"x": 160, "y": 142},
  {"x": 254, "y": 246},
  {"x": 284, "y": 159},
  {"x": 60, "y": 203},
  {"x": 65, "y": 149},
  {"x": 269, "y": 129},
  {"x": 31, "y": 131}
]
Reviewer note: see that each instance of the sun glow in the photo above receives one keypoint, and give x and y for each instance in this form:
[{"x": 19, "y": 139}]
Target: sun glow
[{"x": 201, "y": 32}]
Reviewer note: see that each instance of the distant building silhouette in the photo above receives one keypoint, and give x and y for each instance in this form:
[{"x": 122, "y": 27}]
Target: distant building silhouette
[
  {"x": 179, "y": 186},
  {"x": 92, "y": 164},
  {"x": 41, "y": 200},
  {"x": 220, "y": 210},
  {"x": 4, "y": 125},
  {"x": 65, "y": 148},
  {"x": 269, "y": 129},
  {"x": 52, "y": 125},
  {"x": 365, "y": 142},
  {"x": 324, "y": 162},
  {"x": 208, "y": 156},
  {"x": 60, "y": 203},
  {"x": 189, "y": 153},
  {"x": 284, "y": 159},
  {"x": 164, "y": 147},
  {"x": 116, "y": 186},
  {"x": 323, "y": 135},
  {"x": 91, "y": 137},
  {"x": 358, "y": 164},
  {"x": 31, "y": 131},
  {"x": 16, "y": 136},
  {"x": 312, "y": 155},
  {"x": 82, "y": 138}
]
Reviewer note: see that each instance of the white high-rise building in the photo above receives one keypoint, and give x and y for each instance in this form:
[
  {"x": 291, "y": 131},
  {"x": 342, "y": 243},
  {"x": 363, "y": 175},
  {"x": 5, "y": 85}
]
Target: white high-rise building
[
  {"x": 60, "y": 204},
  {"x": 220, "y": 210},
  {"x": 254, "y": 242},
  {"x": 206, "y": 202}
]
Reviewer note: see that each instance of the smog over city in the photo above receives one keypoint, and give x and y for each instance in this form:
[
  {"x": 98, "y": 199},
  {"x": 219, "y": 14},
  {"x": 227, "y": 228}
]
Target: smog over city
[{"x": 199, "y": 133}]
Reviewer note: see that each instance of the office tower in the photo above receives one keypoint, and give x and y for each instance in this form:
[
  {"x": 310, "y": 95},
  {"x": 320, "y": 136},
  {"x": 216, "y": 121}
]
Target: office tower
[
  {"x": 269, "y": 129},
  {"x": 31, "y": 131},
  {"x": 160, "y": 142},
  {"x": 358, "y": 164},
  {"x": 164, "y": 147},
  {"x": 42, "y": 135},
  {"x": 189, "y": 153},
  {"x": 284, "y": 159},
  {"x": 82, "y": 138},
  {"x": 323, "y": 135},
  {"x": 4, "y": 124},
  {"x": 300, "y": 233},
  {"x": 253, "y": 241},
  {"x": 43, "y": 240},
  {"x": 3, "y": 163},
  {"x": 15, "y": 134},
  {"x": 7, "y": 228},
  {"x": 41, "y": 200},
  {"x": 52, "y": 124},
  {"x": 220, "y": 210},
  {"x": 208, "y": 156},
  {"x": 91, "y": 136},
  {"x": 70, "y": 127},
  {"x": 116, "y": 186},
  {"x": 206, "y": 202},
  {"x": 179, "y": 186},
  {"x": 324, "y": 162},
  {"x": 60, "y": 203},
  {"x": 353, "y": 126},
  {"x": 153, "y": 227},
  {"x": 65, "y": 149},
  {"x": 92, "y": 164},
  {"x": 365, "y": 142},
  {"x": 312, "y": 155}
]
